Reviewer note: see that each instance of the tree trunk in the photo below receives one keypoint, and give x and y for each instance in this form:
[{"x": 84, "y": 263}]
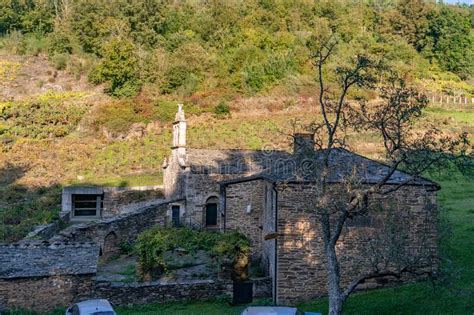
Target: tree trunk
[
  {"x": 335, "y": 306},
  {"x": 336, "y": 299}
]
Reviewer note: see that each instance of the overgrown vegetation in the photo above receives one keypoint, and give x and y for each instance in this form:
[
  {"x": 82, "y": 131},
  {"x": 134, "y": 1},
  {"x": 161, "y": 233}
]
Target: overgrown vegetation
[
  {"x": 151, "y": 245},
  {"x": 40, "y": 119},
  {"x": 22, "y": 208},
  {"x": 208, "y": 48}
]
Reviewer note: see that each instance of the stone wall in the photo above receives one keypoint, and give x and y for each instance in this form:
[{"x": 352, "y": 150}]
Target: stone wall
[
  {"x": 46, "y": 231},
  {"x": 163, "y": 292},
  {"x": 301, "y": 259},
  {"x": 116, "y": 200},
  {"x": 239, "y": 199},
  {"x": 124, "y": 228},
  {"x": 120, "y": 200},
  {"x": 43, "y": 294}
]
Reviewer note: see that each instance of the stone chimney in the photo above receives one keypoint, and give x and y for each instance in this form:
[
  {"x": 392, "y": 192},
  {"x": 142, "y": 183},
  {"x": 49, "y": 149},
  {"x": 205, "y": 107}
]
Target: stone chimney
[{"x": 303, "y": 143}]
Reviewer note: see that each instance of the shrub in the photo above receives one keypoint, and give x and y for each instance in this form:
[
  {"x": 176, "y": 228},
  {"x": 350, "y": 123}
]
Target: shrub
[
  {"x": 59, "y": 61},
  {"x": 117, "y": 116},
  {"x": 119, "y": 67},
  {"x": 165, "y": 111},
  {"x": 152, "y": 244},
  {"x": 221, "y": 110},
  {"x": 34, "y": 44},
  {"x": 41, "y": 119},
  {"x": 59, "y": 43}
]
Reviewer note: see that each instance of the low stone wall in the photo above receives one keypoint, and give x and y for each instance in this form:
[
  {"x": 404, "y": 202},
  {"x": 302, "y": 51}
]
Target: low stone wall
[
  {"x": 43, "y": 294},
  {"x": 124, "y": 228},
  {"x": 162, "y": 292},
  {"x": 120, "y": 200},
  {"x": 47, "y": 231}
]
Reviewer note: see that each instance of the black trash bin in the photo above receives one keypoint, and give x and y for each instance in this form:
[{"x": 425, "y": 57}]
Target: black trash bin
[{"x": 243, "y": 292}]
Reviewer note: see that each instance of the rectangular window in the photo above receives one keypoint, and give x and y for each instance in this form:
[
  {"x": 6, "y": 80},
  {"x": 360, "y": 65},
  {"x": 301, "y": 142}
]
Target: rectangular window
[{"x": 87, "y": 205}]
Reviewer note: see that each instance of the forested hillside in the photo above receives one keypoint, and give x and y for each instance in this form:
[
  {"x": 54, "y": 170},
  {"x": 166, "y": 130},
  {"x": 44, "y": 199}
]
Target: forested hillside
[
  {"x": 88, "y": 88},
  {"x": 203, "y": 48}
]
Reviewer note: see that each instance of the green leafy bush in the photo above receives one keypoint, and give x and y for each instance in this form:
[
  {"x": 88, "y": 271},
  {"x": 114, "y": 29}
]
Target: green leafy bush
[
  {"x": 59, "y": 43},
  {"x": 23, "y": 44},
  {"x": 60, "y": 61},
  {"x": 41, "y": 119},
  {"x": 221, "y": 110},
  {"x": 152, "y": 244},
  {"x": 119, "y": 115},
  {"x": 165, "y": 111},
  {"x": 119, "y": 67}
]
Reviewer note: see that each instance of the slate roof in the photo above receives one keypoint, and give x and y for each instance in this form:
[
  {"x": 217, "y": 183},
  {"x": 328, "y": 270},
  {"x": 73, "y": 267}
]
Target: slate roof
[
  {"x": 204, "y": 161},
  {"x": 38, "y": 259},
  {"x": 343, "y": 164}
]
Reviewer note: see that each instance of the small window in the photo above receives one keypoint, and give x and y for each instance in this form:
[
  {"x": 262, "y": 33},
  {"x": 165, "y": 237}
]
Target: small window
[
  {"x": 211, "y": 211},
  {"x": 86, "y": 205},
  {"x": 175, "y": 215}
]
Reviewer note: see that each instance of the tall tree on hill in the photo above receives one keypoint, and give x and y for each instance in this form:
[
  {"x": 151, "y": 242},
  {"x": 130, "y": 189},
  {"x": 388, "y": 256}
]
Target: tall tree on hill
[
  {"x": 405, "y": 148},
  {"x": 409, "y": 20},
  {"x": 450, "y": 40}
]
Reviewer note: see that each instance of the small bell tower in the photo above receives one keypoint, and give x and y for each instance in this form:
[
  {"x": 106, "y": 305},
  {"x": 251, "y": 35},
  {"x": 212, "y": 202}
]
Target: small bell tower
[{"x": 179, "y": 135}]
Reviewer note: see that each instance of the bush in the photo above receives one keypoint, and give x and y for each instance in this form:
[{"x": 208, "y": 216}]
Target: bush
[
  {"x": 41, "y": 119},
  {"x": 165, "y": 111},
  {"x": 59, "y": 43},
  {"x": 221, "y": 110},
  {"x": 23, "y": 44},
  {"x": 60, "y": 61},
  {"x": 34, "y": 44},
  {"x": 119, "y": 67},
  {"x": 118, "y": 116},
  {"x": 152, "y": 244}
]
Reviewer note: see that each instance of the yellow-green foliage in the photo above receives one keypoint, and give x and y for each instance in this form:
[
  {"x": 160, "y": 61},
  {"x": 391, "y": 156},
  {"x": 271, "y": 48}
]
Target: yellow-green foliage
[
  {"x": 119, "y": 115},
  {"x": 448, "y": 83},
  {"x": 61, "y": 96},
  {"x": 41, "y": 119},
  {"x": 9, "y": 70}
]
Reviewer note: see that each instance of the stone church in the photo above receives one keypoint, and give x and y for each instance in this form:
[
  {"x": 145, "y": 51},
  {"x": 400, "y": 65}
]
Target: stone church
[{"x": 268, "y": 195}]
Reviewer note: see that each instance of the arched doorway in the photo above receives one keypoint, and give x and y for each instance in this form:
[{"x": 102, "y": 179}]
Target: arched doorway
[
  {"x": 211, "y": 212},
  {"x": 110, "y": 249}
]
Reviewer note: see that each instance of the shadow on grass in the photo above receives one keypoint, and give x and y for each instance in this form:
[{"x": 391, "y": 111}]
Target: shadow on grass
[{"x": 23, "y": 207}]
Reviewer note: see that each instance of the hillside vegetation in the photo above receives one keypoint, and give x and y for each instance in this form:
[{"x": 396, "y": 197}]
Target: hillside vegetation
[
  {"x": 202, "y": 49},
  {"x": 88, "y": 88}
]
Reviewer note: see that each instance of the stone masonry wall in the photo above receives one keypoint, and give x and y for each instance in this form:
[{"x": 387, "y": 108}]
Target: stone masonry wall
[
  {"x": 124, "y": 228},
  {"x": 199, "y": 188},
  {"x": 43, "y": 294},
  {"x": 46, "y": 231},
  {"x": 161, "y": 292},
  {"x": 301, "y": 260},
  {"x": 238, "y": 198},
  {"x": 118, "y": 200}
]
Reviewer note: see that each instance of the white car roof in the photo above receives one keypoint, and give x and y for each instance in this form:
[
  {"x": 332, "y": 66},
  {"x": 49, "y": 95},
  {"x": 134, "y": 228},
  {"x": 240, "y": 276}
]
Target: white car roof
[
  {"x": 92, "y": 306},
  {"x": 269, "y": 310}
]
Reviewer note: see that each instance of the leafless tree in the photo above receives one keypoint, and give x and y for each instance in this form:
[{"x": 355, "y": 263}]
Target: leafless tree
[
  {"x": 405, "y": 147},
  {"x": 63, "y": 11}
]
